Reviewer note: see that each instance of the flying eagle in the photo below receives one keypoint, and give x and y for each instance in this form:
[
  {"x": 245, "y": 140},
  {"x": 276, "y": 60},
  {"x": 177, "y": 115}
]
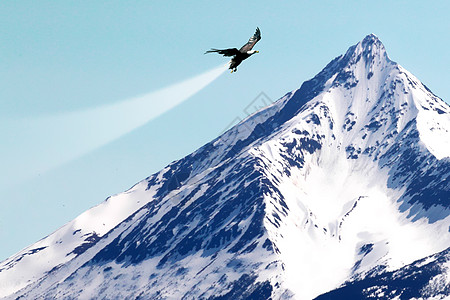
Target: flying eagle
[{"x": 241, "y": 54}]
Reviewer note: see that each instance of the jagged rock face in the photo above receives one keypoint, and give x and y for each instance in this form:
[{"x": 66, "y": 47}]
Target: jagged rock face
[{"x": 344, "y": 180}]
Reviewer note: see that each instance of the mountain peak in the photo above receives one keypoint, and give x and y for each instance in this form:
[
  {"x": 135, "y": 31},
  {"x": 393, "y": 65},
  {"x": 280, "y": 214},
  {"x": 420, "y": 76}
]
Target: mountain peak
[
  {"x": 371, "y": 43},
  {"x": 370, "y": 49},
  {"x": 370, "y": 39}
]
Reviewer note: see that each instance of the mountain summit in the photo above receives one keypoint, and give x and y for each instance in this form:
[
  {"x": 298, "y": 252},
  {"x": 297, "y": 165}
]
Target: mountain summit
[{"x": 339, "y": 188}]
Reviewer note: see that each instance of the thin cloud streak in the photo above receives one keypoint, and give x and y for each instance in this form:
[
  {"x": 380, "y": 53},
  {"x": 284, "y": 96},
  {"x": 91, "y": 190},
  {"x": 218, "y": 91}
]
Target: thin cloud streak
[{"x": 48, "y": 142}]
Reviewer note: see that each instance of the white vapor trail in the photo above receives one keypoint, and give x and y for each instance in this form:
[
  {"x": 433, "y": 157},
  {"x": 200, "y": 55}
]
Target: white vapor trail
[{"x": 34, "y": 146}]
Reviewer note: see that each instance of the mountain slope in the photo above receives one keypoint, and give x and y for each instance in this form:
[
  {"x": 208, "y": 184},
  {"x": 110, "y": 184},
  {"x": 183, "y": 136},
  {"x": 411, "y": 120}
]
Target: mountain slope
[
  {"x": 425, "y": 278},
  {"x": 340, "y": 181}
]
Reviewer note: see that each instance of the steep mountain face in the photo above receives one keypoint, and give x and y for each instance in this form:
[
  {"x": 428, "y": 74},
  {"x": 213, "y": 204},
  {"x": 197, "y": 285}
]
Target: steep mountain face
[
  {"x": 424, "y": 279},
  {"x": 343, "y": 183}
]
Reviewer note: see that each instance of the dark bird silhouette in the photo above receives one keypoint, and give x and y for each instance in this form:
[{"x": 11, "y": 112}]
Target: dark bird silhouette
[{"x": 241, "y": 54}]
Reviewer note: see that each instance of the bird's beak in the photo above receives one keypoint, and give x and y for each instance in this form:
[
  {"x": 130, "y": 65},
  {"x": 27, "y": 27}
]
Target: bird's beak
[{"x": 257, "y": 51}]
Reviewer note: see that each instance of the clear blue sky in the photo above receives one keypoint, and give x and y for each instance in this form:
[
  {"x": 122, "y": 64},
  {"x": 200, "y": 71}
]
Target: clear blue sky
[{"x": 63, "y": 56}]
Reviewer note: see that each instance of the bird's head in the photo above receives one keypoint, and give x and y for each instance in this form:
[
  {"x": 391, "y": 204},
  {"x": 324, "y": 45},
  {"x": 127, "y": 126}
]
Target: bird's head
[{"x": 251, "y": 52}]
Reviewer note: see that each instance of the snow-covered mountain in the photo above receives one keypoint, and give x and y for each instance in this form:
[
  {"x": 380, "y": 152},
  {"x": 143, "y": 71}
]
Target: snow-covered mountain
[{"x": 339, "y": 188}]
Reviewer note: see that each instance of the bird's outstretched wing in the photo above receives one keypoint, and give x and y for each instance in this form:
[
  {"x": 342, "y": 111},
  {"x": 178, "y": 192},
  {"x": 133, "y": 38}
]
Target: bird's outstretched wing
[
  {"x": 252, "y": 41},
  {"x": 224, "y": 52}
]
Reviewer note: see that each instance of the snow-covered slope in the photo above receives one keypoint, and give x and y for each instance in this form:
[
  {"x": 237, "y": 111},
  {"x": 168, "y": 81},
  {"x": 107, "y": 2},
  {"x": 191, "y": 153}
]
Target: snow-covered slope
[
  {"x": 426, "y": 278},
  {"x": 340, "y": 181}
]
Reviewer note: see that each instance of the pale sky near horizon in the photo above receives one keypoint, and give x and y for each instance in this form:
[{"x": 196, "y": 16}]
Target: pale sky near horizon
[{"x": 68, "y": 56}]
